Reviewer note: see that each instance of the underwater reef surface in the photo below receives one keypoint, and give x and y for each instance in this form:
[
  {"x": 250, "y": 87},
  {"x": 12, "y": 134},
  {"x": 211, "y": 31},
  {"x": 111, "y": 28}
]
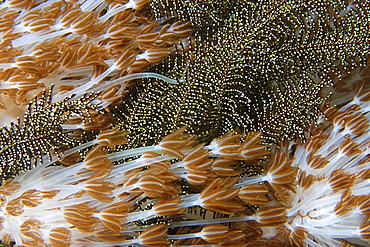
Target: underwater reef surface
[{"x": 188, "y": 123}]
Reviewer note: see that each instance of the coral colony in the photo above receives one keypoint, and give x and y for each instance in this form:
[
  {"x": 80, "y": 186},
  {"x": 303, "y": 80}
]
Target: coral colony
[{"x": 185, "y": 123}]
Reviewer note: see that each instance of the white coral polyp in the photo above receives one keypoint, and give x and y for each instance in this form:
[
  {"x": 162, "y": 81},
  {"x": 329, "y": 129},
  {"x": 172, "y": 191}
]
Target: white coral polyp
[{"x": 329, "y": 208}]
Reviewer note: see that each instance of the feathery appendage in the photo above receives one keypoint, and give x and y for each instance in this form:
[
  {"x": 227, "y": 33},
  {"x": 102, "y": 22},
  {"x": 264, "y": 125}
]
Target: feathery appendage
[
  {"x": 253, "y": 65},
  {"x": 24, "y": 143}
]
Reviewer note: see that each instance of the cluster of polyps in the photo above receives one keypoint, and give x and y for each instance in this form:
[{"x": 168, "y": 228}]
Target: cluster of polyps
[
  {"x": 317, "y": 195},
  {"x": 78, "y": 46},
  {"x": 331, "y": 200},
  {"x": 96, "y": 202}
]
